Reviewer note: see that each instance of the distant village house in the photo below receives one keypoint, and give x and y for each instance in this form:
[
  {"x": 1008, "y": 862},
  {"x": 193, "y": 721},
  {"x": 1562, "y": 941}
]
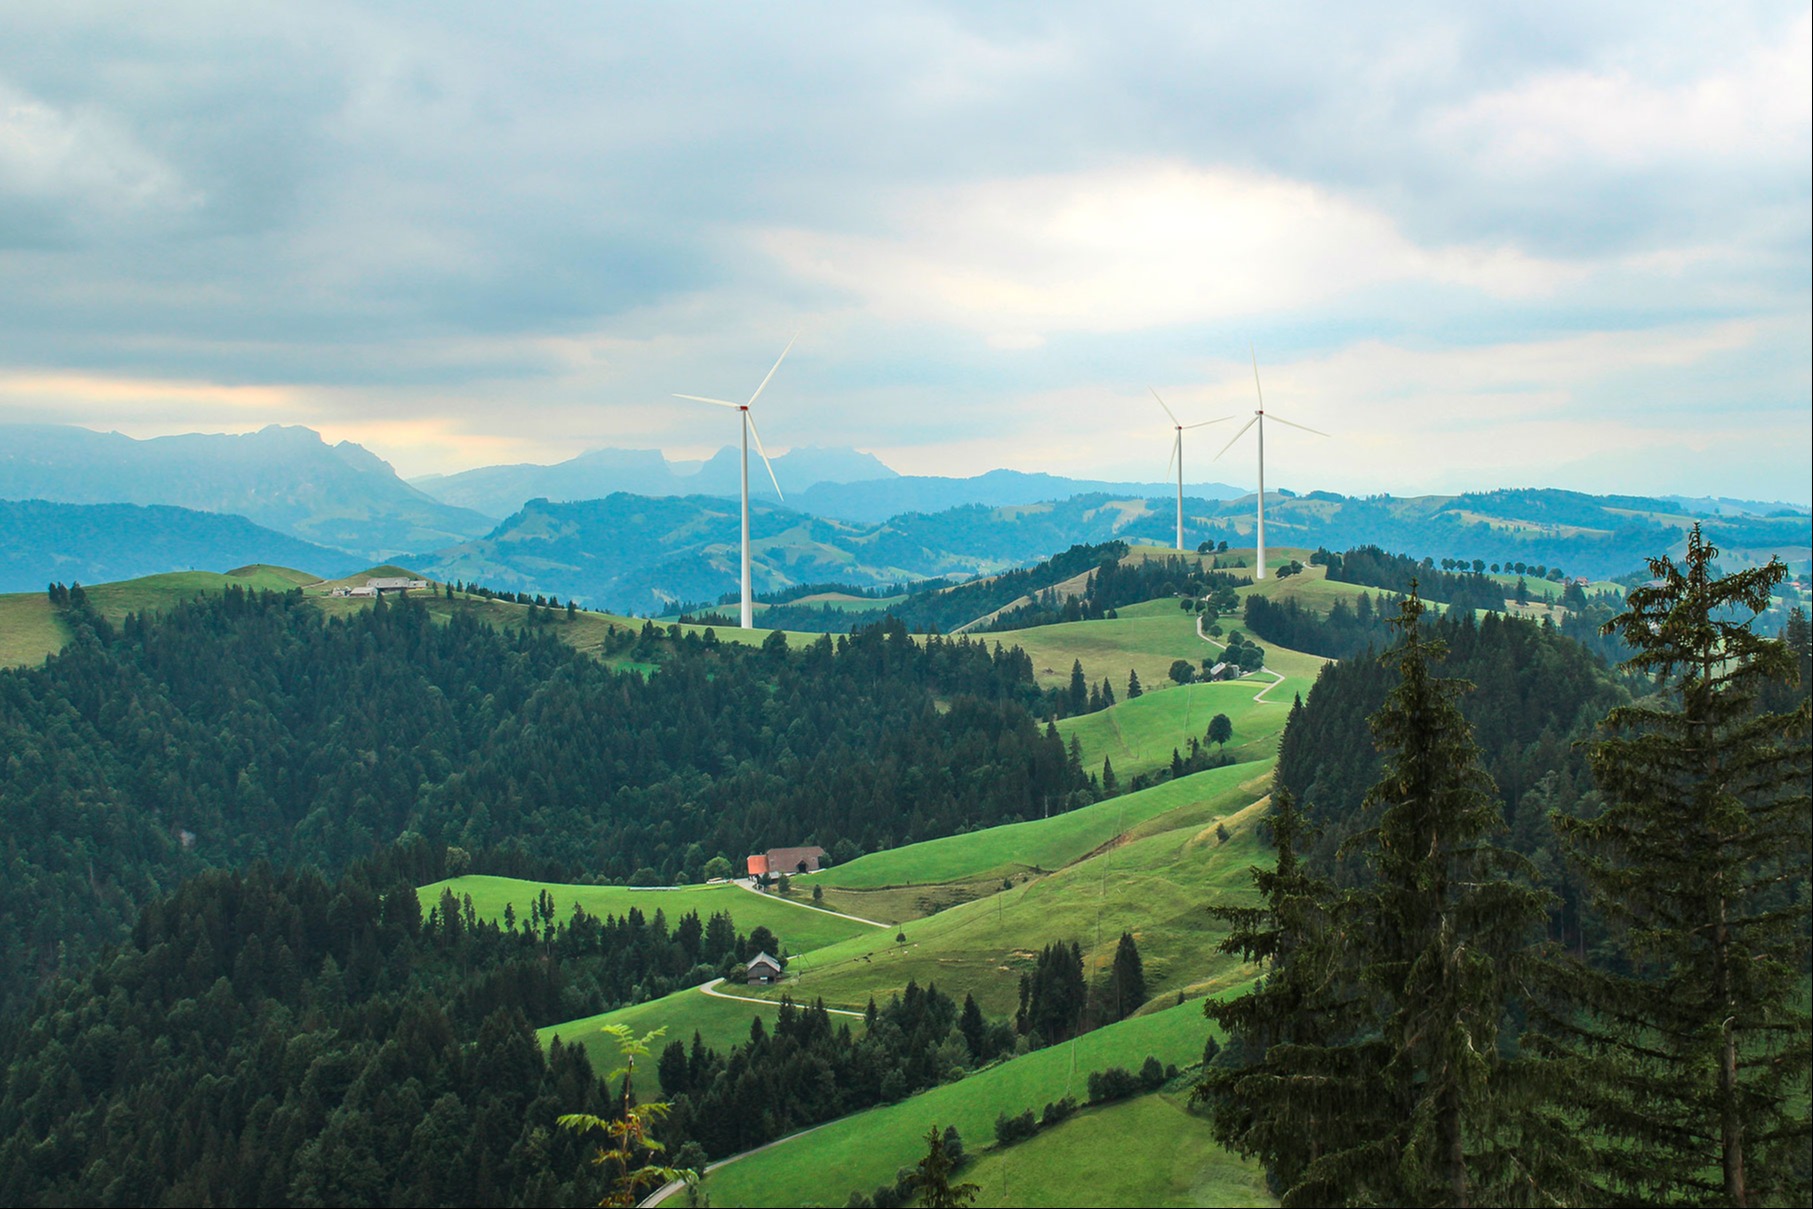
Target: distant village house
[
  {"x": 763, "y": 969},
  {"x": 382, "y": 586}
]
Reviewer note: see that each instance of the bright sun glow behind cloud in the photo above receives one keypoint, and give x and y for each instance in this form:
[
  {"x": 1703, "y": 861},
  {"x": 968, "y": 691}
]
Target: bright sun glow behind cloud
[{"x": 1135, "y": 246}]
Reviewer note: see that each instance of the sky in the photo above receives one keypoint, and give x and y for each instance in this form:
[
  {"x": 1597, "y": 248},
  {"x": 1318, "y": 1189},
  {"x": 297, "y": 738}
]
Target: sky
[{"x": 1546, "y": 244}]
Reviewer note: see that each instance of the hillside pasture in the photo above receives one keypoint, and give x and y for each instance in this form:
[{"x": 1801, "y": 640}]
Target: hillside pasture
[
  {"x": 800, "y": 928},
  {"x": 1139, "y": 735},
  {"x": 1146, "y": 638},
  {"x": 1154, "y": 879},
  {"x": 1038, "y": 844},
  {"x": 1150, "y": 1150},
  {"x": 859, "y": 1152},
  {"x": 31, "y": 630},
  {"x": 721, "y": 1023}
]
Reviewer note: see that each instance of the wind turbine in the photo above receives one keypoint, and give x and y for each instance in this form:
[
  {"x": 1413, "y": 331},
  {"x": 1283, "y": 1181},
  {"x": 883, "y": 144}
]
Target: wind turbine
[
  {"x": 1177, "y": 455},
  {"x": 749, "y": 430},
  {"x": 1259, "y": 419}
]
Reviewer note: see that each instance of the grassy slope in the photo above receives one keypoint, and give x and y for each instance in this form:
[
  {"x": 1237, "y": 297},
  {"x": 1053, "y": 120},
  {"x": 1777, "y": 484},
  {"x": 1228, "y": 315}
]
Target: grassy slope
[
  {"x": 30, "y": 630},
  {"x": 862, "y": 1151},
  {"x": 1150, "y": 1150},
  {"x": 1017, "y": 848},
  {"x": 1139, "y": 735},
  {"x": 1155, "y": 885},
  {"x": 721, "y": 1022},
  {"x": 800, "y": 928}
]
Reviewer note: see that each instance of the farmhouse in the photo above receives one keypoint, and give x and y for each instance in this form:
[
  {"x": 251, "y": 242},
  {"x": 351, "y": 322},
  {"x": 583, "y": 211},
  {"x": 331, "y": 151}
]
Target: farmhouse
[
  {"x": 763, "y": 969},
  {"x": 777, "y": 861}
]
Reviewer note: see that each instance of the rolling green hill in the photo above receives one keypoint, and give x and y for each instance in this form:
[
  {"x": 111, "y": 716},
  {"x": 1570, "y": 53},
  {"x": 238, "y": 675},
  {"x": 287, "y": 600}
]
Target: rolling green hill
[{"x": 859, "y": 1152}]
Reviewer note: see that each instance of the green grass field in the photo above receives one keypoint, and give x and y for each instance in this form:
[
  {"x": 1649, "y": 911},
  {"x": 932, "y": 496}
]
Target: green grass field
[
  {"x": 1150, "y": 1150},
  {"x": 862, "y": 1151},
  {"x": 1155, "y": 880},
  {"x": 800, "y": 928},
  {"x": 31, "y": 631},
  {"x": 1046, "y": 844},
  {"x": 722, "y": 1023},
  {"x": 1139, "y": 735}
]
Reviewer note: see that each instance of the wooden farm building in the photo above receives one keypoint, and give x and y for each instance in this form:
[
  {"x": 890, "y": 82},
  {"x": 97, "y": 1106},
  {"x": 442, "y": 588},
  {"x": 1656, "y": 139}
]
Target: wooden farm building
[
  {"x": 763, "y": 968},
  {"x": 777, "y": 861}
]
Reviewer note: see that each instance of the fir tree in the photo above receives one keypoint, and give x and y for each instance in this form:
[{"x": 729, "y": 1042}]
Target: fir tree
[
  {"x": 1127, "y": 979},
  {"x": 1694, "y": 1063},
  {"x": 933, "y": 1178},
  {"x": 1436, "y": 935},
  {"x": 1279, "y": 1096}
]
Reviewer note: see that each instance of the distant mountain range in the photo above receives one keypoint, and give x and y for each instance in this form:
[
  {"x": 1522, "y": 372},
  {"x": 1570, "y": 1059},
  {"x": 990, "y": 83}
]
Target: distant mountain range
[
  {"x": 641, "y": 554},
  {"x": 287, "y": 479},
  {"x": 847, "y": 518},
  {"x": 847, "y": 484}
]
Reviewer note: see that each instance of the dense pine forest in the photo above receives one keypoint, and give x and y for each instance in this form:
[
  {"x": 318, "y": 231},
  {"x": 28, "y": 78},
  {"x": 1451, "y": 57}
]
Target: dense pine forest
[
  {"x": 268, "y": 1038},
  {"x": 247, "y": 727}
]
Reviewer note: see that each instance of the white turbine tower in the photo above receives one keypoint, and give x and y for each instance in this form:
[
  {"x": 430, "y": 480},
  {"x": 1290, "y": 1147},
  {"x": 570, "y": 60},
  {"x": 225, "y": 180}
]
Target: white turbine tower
[
  {"x": 749, "y": 430},
  {"x": 1259, "y": 419},
  {"x": 1177, "y": 455}
]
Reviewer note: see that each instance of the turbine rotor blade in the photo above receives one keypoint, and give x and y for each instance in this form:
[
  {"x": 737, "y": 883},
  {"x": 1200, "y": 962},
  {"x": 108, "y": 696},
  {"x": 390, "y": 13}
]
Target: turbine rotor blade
[
  {"x": 703, "y": 399},
  {"x": 1235, "y": 437},
  {"x": 749, "y": 417},
  {"x": 1176, "y": 453},
  {"x": 777, "y": 365},
  {"x": 1304, "y": 427},
  {"x": 1161, "y": 403},
  {"x": 1256, "y": 386},
  {"x": 1206, "y": 423}
]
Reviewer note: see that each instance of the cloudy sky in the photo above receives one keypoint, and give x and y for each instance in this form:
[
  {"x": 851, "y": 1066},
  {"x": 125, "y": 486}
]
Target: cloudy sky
[{"x": 1542, "y": 244}]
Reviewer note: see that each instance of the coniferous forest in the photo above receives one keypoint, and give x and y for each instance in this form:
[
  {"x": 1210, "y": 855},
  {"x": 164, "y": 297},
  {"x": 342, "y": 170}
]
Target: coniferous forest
[
  {"x": 1534, "y": 936},
  {"x": 245, "y": 727}
]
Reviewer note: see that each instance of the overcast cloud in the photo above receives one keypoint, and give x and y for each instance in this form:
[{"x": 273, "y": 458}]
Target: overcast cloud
[{"x": 1536, "y": 245}]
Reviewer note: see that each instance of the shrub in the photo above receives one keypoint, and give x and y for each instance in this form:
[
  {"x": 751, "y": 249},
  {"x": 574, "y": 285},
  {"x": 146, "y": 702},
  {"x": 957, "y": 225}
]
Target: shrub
[
  {"x": 1055, "y": 1112},
  {"x": 1115, "y": 1083},
  {"x": 1009, "y": 1130}
]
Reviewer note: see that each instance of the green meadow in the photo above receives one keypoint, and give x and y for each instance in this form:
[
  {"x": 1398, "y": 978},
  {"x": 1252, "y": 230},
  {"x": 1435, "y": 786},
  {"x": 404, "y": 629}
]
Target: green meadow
[
  {"x": 800, "y": 928},
  {"x": 1039, "y": 844},
  {"x": 1145, "y": 638},
  {"x": 1153, "y": 879},
  {"x": 31, "y": 631},
  {"x": 861, "y": 1151},
  {"x": 1150, "y": 1150},
  {"x": 722, "y": 1023},
  {"x": 1140, "y": 735}
]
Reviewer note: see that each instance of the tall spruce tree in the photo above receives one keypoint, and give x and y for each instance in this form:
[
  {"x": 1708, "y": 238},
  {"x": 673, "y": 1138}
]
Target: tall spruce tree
[
  {"x": 1693, "y": 1061},
  {"x": 1280, "y": 1091},
  {"x": 1439, "y": 931},
  {"x": 1369, "y": 1068}
]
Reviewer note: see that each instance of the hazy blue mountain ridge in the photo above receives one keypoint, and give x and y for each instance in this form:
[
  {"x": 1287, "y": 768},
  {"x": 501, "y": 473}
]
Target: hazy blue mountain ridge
[
  {"x": 283, "y": 478},
  {"x": 499, "y": 491},
  {"x": 642, "y": 554}
]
